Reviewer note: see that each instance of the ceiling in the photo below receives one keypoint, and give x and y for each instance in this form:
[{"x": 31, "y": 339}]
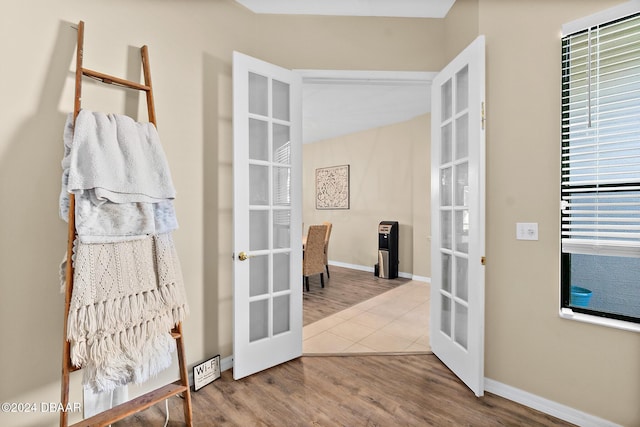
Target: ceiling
[
  {"x": 394, "y": 8},
  {"x": 337, "y": 103}
]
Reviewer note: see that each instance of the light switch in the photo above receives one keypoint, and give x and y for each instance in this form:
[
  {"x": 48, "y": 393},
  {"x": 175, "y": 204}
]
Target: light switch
[{"x": 527, "y": 231}]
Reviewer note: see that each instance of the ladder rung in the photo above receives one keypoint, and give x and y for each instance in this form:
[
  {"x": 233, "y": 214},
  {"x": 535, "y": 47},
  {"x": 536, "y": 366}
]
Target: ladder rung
[
  {"x": 131, "y": 407},
  {"x": 114, "y": 80}
]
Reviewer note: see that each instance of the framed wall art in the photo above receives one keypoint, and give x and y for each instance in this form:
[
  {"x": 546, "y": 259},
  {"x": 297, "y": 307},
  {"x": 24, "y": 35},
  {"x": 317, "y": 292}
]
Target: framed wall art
[{"x": 332, "y": 187}]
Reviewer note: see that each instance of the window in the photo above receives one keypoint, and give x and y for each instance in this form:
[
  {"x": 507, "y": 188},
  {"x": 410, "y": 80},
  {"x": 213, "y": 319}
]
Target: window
[{"x": 601, "y": 173}]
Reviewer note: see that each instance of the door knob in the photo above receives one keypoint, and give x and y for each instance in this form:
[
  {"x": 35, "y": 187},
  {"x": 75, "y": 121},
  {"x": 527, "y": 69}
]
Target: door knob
[{"x": 242, "y": 256}]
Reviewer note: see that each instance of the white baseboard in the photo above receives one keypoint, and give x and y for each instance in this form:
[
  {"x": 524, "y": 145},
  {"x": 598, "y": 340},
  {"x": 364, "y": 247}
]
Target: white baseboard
[
  {"x": 352, "y": 266},
  {"x": 226, "y": 363},
  {"x": 421, "y": 279},
  {"x": 371, "y": 269},
  {"x": 549, "y": 407}
]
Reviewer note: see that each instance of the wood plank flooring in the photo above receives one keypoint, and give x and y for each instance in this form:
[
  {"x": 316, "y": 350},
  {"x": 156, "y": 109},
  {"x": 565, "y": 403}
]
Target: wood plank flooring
[
  {"x": 345, "y": 288},
  {"x": 409, "y": 390},
  {"x": 353, "y": 391}
]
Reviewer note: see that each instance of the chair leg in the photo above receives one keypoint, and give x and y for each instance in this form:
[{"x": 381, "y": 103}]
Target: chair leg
[
  {"x": 322, "y": 279},
  {"x": 328, "y": 275},
  {"x": 306, "y": 282}
]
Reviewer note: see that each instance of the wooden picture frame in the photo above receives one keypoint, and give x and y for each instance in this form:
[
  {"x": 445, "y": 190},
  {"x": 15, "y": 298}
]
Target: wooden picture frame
[{"x": 332, "y": 187}]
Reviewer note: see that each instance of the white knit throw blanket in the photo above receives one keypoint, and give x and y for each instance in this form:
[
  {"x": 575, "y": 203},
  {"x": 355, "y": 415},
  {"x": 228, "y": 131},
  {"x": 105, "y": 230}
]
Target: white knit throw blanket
[
  {"x": 126, "y": 298},
  {"x": 119, "y": 174}
]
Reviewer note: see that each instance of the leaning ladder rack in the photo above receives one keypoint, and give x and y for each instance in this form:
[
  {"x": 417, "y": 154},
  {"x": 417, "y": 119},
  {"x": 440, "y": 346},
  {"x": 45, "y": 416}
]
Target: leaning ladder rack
[{"x": 149, "y": 399}]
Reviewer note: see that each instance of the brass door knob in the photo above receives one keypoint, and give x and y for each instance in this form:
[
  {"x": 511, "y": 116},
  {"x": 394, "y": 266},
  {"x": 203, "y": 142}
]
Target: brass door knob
[{"x": 242, "y": 256}]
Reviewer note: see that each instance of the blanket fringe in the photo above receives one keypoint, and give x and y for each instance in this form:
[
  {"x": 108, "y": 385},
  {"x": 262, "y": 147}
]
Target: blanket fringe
[{"x": 125, "y": 340}]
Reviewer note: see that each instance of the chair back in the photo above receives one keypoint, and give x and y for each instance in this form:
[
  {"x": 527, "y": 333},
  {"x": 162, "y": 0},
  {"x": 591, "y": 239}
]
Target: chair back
[
  {"x": 313, "y": 259},
  {"x": 326, "y": 242}
]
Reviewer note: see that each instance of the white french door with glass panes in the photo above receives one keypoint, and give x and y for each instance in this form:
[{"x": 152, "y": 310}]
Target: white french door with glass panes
[
  {"x": 267, "y": 215},
  {"x": 457, "y": 216}
]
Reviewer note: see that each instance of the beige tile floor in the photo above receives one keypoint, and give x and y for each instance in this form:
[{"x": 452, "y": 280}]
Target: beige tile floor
[{"x": 395, "y": 321}]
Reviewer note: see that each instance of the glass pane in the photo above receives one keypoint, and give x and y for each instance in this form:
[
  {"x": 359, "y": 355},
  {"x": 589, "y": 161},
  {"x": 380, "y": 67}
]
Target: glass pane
[
  {"x": 445, "y": 315},
  {"x": 258, "y": 320},
  {"x": 281, "y": 268},
  {"x": 258, "y": 140},
  {"x": 258, "y": 94},
  {"x": 282, "y": 186},
  {"x": 462, "y": 231},
  {"x": 605, "y": 283},
  {"x": 462, "y": 278},
  {"x": 462, "y": 89},
  {"x": 258, "y": 230},
  {"x": 446, "y": 272},
  {"x": 445, "y": 186},
  {"x": 445, "y": 229},
  {"x": 280, "y": 100},
  {"x": 281, "y": 229},
  {"x": 462, "y": 320},
  {"x": 445, "y": 144},
  {"x": 281, "y": 314},
  {"x": 462, "y": 184},
  {"x": 462, "y": 137},
  {"x": 446, "y": 99},
  {"x": 258, "y": 185},
  {"x": 258, "y": 275},
  {"x": 281, "y": 144}
]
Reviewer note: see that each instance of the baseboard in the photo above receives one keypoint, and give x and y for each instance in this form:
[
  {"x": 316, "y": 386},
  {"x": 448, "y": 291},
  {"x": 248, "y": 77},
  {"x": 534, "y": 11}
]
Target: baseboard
[
  {"x": 549, "y": 407},
  {"x": 421, "y": 279},
  {"x": 226, "y": 363},
  {"x": 371, "y": 269},
  {"x": 352, "y": 266}
]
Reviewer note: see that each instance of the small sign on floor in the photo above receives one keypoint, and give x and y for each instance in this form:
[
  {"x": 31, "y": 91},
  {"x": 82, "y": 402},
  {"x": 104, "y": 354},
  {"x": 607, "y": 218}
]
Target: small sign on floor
[{"x": 206, "y": 372}]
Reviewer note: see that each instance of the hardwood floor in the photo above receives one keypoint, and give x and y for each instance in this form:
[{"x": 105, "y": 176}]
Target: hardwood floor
[
  {"x": 372, "y": 390},
  {"x": 410, "y": 390},
  {"x": 345, "y": 288}
]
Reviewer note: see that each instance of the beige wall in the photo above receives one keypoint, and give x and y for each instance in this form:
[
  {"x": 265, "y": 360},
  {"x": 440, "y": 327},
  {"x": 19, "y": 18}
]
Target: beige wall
[
  {"x": 527, "y": 346},
  {"x": 190, "y": 48},
  {"x": 587, "y": 367},
  {"x": 388, "y": 182},
  {"x": 461, "y": 27}
]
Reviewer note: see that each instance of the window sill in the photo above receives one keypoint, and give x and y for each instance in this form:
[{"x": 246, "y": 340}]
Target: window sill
[{"x": 567, "y": 313}]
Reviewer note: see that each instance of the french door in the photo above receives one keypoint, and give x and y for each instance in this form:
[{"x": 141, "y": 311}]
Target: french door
[
  {"x": 458, "y": 216},
  {"x": 267, "y": 215}
]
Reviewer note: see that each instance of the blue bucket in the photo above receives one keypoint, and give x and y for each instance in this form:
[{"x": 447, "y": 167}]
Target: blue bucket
[{"x": 580, "y": 296}]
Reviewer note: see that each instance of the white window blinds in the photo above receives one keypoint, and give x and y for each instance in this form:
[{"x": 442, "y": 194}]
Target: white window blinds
[{"x": 601, "y": 139}]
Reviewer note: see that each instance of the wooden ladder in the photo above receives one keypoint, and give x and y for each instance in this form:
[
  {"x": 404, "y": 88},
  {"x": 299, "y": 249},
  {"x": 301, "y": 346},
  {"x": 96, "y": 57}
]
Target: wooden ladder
[{"x": 149, "y": 399}]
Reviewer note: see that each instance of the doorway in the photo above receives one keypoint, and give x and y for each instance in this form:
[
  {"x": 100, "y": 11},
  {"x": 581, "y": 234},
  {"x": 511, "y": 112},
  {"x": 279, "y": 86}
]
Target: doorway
[
  {"x": 352, "y": 117},
  {"x": 456, "y": 198}
]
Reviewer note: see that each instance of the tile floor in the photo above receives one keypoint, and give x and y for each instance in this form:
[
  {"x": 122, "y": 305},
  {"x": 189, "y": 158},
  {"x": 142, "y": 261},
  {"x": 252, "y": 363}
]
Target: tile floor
[{"x": 395, "y": 321}]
